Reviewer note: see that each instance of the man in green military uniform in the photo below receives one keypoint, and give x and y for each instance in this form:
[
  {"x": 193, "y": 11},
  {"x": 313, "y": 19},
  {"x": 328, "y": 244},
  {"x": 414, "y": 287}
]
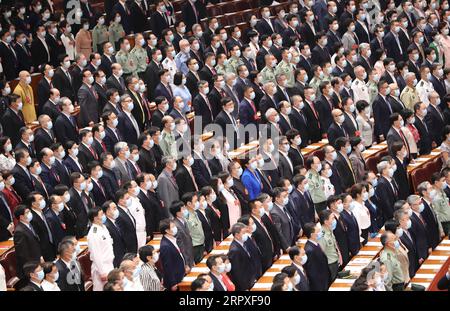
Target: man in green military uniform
[
  {"x": 116, "y": 31},
  {"x": 124, "y": 59},
  {"x": 409, "y": 95},
  {"x": 268, "y": 72},
  {"x": 328, "y": 242},
  {"x": 388, "y": 256},
  {"x": 234, "y": 61},
  {"x": 139, "y": 55},
  {"x": 286, "y": 67},
  {"x": 372, "y": 86},
  {"x": 194, "y": 224},
  {"x": 316, "y": 184}
]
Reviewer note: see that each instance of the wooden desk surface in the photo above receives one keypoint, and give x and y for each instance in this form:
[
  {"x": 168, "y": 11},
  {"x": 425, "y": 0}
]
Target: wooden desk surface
[
  {"x": 366, "y": 255},
  {"x": 424, "y": 159},
  {"x": 431, "y": 267},
  {"x": 5, "y": 246},
  {"x": 374, "y": 150}
]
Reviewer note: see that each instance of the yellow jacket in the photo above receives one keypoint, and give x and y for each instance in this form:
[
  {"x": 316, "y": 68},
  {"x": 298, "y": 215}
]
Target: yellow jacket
[{"x": 26, "y": 94}]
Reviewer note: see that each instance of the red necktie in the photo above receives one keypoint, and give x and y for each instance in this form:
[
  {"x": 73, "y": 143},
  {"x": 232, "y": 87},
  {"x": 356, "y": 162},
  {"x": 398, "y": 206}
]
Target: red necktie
[
  {"x": 103, "y": 146},
  {"x": 93, "y": 152}
]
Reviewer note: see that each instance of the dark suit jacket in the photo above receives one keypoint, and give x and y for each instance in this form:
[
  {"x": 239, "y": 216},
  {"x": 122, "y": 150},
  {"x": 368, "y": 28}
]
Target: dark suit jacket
[
  {"x": 39, "y": 54},
  {"x": 314, "y": 127},
  {"x": 127, "y": 226},
  {"x": 27, "y": 247},
  {"x": 432, "y": 225},
  {"x": 207, "y": 230},
  {"x": 424, "y": 143},
  {"x": 409, "y": 243},
  {"x": 127, "y": 129},
  {"x": 345, "y": 172},
  {"x": 48, "y": 249},
  {"x": 63, "y": 84},
  {"x": 419, "y": 233},
  {"x": 70, "y": 282},
  {"x": 66, "y": 130},
  {"x": 334, "y": 132},
  {"x": 118, "y": 242},
  {"x": 401, "y": 177},
  {"x": 284, "y": 226},
  {"x": 244, "y": 272},
  {"x": 184, "y": 180},
  {"x": 57, "y": 227},
  {"x": 172, "y": 263},
  {"x": 105, "y": 65},
  {"x": 72, "y": 166},
  {"x": 43, "y": 93},
  {"x": 387, "y": 198},
  {"x": 24, "y": 184},
  {"x": 349, "y": 220},
  {"x": 112, "y": 82},
  {"x": 11, "y": 123},
  {"x": 9, "y": 62},
  {"x": 217, "y": 285},
  {"x": 435, "y": 124},
  {"x": 392, "y": 49},
  {"x": 381, "y": 112},
  {"x": 201, "y": 173},
  {"x": 303, "y": 286},
  {"x": 77, "y": 204},
  {"x": 263, "y": 240},
  {"x": 51, "y": 110},
  {"x": 316, "y": 267}
]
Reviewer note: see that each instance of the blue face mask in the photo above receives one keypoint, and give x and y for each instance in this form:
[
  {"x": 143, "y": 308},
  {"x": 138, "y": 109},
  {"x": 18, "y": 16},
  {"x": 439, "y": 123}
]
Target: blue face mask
[
  {"x": 319, "y": 236},
  {"x": 333, "y": 224},
  {"x": 185, "y": 213},
  {"x": 103, "y": 218},
  {"x": 40, "y": 275},
  {"x": 397, "y": 244},
  {"x": 270, "y": 205},
  {"x": 421, "y": 207}
]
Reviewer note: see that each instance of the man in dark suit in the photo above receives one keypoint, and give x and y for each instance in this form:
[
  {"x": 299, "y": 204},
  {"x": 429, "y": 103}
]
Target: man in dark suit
[
  {"x": 54, "y": 218},
  {"x": 425, "y": 143},
  {"x": 40, "y": 51},
  {"x": 51, "y": 106},
  {"x": 12, "y": 120},
  {"x": 139, "y": 20},
  {"x": 88, "y": 100},
  {"x": 109, "y": 180},
  {"x": 86, "y": 153},
  {"x": 336, "y": 129},
  {"x": 163, "y": 88},
  {"x": 381, "y": 110},
  {"x": 264, "y": 25},
  {"x": 128, "y": 126},
  {"x": 299, "y": 259},
  {"x": 48, "y": 173},
  {"x": 62, "y": 79},
  {"x": 316, "y": 266},
  {"x": 261, "y": 235},
  {"x": 159, "y": 19},
  {"x": 111, "y": 212},
  {"x": 216, "y": 267},
  {"x": 435, "y": 119},
  {"x": 126, "y": 221},
  {"x": 41, "y": 227},
  {"x": 125, "y": 16},
  {"x": 343, "y": 164},
  {"x": 191, "y": 14},
  {"x": 320, "y": 54},
  {"x": 392, "y": 43},
  {"x": 150, "y": 202},
  {"x": 387, "y": 190},
  {"x": 282, "y": 218},
  {"x": 185, "y": 177},
  {"x": 434, "y": 229},
  {"x": 312, "y": 116},
  {"x": 79, "y": 203},
  {"x": 116, "y": 80},
  {"x": 243, "y": 259},
  {"x": 65, "y": 125},
  {"x": 70, "y": 275},
  {"x": 419, "y": 229},
  {"x": 44, "y": 86},
  {"x": 208, "y": 72},
  {"x": 34, "y": 274},
  {"x": 23, "y": 182},
  {"x": 402, "y": 218},
  {"x": 201, "y": 103},
  {"x": 112, "y": 134},
  {"x": 107, "y": 59},
  {"x": 10, "y": 60},
  {"x": 173, "y": 263},
  {"x": 26, "y": 240},
  {"x": 98, "y": 191},
  {"x": 399, "y": 154}
]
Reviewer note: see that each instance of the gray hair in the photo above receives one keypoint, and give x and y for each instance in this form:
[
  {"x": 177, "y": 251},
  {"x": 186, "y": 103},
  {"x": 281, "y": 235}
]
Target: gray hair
[
  {"x": 422, "y": 187},
  {"x": 167, "y": 159},
  {"x": 269, "y": 112},
  {"x": 412, "y": 199},
  {"x": 119, "y": 146},
  {"x": 381, "y": 166},
  {"x": 124, "y": 97},
  {"x": 237, "y": 228}
]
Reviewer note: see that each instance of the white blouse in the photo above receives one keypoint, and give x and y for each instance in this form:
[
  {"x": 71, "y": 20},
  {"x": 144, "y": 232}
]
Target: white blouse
[
  {"x": 50, "y": 287},
  {"x": 362, "y": 216}
]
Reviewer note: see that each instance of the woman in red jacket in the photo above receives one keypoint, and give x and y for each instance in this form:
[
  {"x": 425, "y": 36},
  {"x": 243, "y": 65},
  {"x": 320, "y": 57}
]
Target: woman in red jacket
[{"x": 11, "y": 196}]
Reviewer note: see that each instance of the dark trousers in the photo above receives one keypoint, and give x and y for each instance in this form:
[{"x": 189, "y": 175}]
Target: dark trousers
[
  {"x": 333, "y": 267},
  {"x": 198, "y": 253},
  {"x": 365, "y": 236}
]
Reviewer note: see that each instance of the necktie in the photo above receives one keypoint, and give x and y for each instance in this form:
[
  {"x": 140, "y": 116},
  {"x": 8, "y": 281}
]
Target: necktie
[
  {"x": 101, "y": 188},
  {"x": 170, "y": 90},
  {"x": 103, "y": 146},
  {"x": 50, "y": 236},
  {"x": 12, "y": 51},
  {"x": 32, "y": 230},
  {"x": 55, "y": 175},
  {"x": 94, "y": 154},
  {"x": 193, "y": 179},
  {"x": 85, "y": 201},
  {"x": 128, "y": 169}
]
